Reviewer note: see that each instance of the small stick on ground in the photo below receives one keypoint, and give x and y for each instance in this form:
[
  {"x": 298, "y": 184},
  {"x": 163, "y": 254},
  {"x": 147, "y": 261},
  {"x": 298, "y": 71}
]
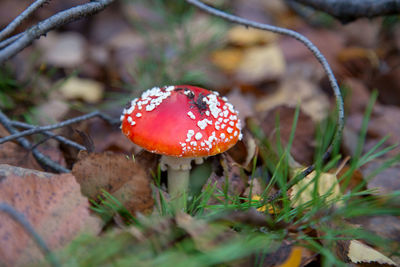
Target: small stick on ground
[
  {"x": 41, "y": 129},
  {"x": 44, "y": 161}
]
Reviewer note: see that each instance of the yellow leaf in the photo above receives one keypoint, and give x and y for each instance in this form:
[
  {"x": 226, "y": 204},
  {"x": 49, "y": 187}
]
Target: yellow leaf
[
  {"x": 227, "y": 59},
  {"x": 271, "y": 209},
  {"x": 239, "y": 35},
  {"x": 294, "y": 258},
  {"x": 303, "y": 191},
  {"x": 261, "y": 64},
  {"x": 88, "y": 90},
  {"x": 360, "y": 253}
]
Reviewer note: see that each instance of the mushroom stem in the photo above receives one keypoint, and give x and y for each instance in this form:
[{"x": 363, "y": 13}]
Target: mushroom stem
[
  {"x": 178, "y": 185},
  {"x": 178, "y": 179}
]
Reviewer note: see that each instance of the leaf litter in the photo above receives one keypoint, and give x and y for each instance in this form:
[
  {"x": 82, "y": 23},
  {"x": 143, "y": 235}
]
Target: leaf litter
[{"x": 265, "y": 75}]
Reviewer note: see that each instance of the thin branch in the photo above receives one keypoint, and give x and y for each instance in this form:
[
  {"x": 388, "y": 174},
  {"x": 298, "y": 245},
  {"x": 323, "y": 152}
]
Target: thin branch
[
  {"x": 40, "y": 129},
  {"x": 44, "y": 161},
  {"x": 347, "y": 11},
  {"x": 54, "y": 21},
  {"x": 20, "y": 218},
  {"x": 59, "y": 138},
  {"x": 316, "y": 53},
  {"x": 20, "y": 18},
  {"x": 10, "y": 40}
]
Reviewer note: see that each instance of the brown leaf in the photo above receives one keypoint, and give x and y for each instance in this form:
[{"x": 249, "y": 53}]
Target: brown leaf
[
  {"x": 303, "y": 142},
  {"x": 231, "y": 179},
  {"x": 294, "y": 91},
  {"x": 117, "y": 174},
  {"x": 13, "y": 154},
  {"x": 53, "y": 204},
  {"x": 385, "y": 121},
  {"x": 354, "y": 181},
  {"x": 357, "y": 96},
  {"x": 244, "y": 151}
]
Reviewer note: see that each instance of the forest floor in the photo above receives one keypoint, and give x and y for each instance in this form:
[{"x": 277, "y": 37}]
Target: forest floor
[{"x": 113, "y": 207}]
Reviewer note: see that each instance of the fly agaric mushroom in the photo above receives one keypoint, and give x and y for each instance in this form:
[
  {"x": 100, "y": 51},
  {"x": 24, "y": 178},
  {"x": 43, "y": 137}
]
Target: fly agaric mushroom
[{"x": 182, "y": 123}]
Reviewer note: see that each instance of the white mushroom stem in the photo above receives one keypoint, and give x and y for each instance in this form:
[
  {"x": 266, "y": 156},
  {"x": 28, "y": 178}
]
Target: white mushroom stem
[{"x": 178, "y": 178}]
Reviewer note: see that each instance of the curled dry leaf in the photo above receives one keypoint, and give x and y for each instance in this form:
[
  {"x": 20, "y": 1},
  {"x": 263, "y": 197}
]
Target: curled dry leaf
[
  {"x": 118, "y": 175},
  {"x": 244, "y": 151},
  {"x": 231, "y": 180},
  {"x": 53, "y": 204}
]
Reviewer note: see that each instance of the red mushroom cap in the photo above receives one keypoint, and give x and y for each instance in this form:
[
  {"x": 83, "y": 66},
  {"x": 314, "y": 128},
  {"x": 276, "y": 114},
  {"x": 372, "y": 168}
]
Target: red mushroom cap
[{"x": 181, "y": 121}]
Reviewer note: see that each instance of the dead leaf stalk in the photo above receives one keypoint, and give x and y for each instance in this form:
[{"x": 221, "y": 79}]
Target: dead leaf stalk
[{"x": 20, "y": 218}]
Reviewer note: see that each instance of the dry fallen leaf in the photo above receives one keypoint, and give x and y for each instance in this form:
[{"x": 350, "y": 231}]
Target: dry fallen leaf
[
  {"x": 118, "y": 175},
  {"x": 77, "y": 88},
  {"x": 303, "y": 191},
  {"x": 244, "y": 151},
  {"x": 259, "y": 64},
  {"x": 13, "y": 154},
  {"x": 384, "y": 122},
  {"x": 63, "y": 49},
  {"x": 53, "y": 204},
  {"x": 206, "y": 236},
  {"x": 231, "y": 180},
  {"x": 294, "y": 91},
  {"x": 227, "y": 59},
  {"x": 286, "y": 255},
  {"x": 303, "y": 143},
  {"x": 356, "y": 252},
  {"x": 242, "y": 36}
]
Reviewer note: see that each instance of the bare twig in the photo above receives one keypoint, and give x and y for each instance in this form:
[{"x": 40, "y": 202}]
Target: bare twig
[
  {"x": 20, "y": 218},
  {"x": 10, "y": 40},
  {"x": 347, "y": 11},
  {"x": 40, "y": 129},
  {"x": 44, "y": 161},
  {"x": 20, "y": 18},
  {"x": 316, "y": 53},
  {"x": 47, "y": 25},
  {"x": 60, "y": 139}
]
